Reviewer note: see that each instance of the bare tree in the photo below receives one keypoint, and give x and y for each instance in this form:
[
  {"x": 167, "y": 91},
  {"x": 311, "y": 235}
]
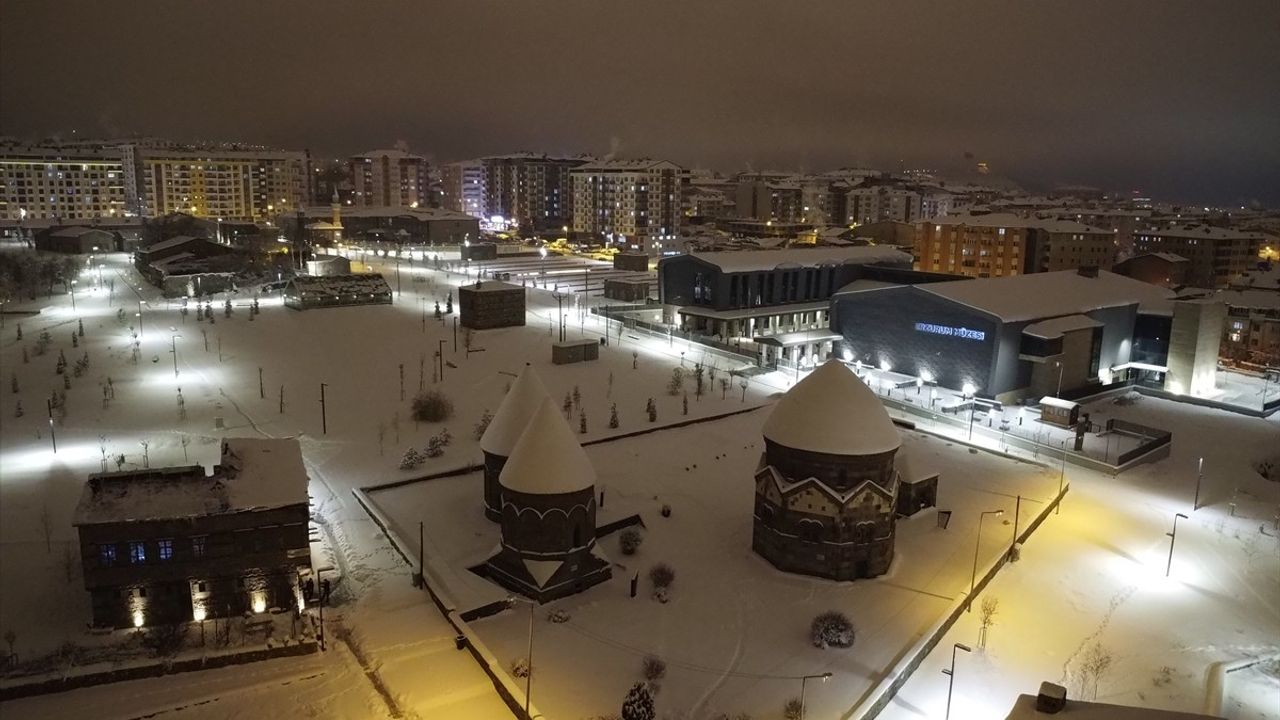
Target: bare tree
[{"x": 987, "y": 618}]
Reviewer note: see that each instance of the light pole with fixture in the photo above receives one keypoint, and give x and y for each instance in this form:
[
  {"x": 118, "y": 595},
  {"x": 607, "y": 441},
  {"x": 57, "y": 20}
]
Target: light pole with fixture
[
  {"x": 173, "y": 348},
  {"x": 973, "y": 578},
  {"x": 968, "y": 392},
  {"x": 1173, "y": 537},
  {"x": 951, "y": 674},
  {"x": 528, "y": 678},
  {"x": 823, "y": 677}
]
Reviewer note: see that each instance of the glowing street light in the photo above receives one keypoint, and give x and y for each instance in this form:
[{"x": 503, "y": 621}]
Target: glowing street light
[
  {"x": 951, "y": 674},
  {"x": 1173, "y": 537},
  {"x": 823, "y": 677},
  {"x": 976, "y": 546}
]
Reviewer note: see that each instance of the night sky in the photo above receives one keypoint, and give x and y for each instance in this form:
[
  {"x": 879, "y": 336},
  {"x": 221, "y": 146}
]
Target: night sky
[{"x": 1178, "y": 99}]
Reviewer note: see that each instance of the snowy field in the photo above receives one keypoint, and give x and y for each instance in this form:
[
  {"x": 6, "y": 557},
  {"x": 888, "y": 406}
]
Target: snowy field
[
  {"x": 735, "y": 635},
  {"x": 1220, "y": 606}
]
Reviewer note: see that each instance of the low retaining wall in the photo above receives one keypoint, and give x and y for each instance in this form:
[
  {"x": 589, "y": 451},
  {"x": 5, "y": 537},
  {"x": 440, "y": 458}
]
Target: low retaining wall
[
  {"x": 879, "y": 696},
  {"x": 71, "y": 682}
]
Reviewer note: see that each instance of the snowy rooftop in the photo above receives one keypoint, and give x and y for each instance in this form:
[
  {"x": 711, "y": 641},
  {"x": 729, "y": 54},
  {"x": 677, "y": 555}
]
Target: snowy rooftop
[
  {"x": 325, "y": 212},
  {"x": 1055, "y": 327},
  {"x": 522, "y": 401},
  {"x": 1025, "y": 709},
  {"x": 832, "y": 411},
  {"x": 1047, "y": 295},
  {"x": 1010, "y": 220},
  {"x": 641, "y": 164},
  {"x": 172, "y": 242},
  {"x": 1200, "y": 232},
  {"x": 335, "y": 285},
  {"x": 547, "y": 459},
  {"x": 749, "y": 260},
  {"x": 488, "y": 286},
  {"x": 73, "y": 231},
  {"x": 1258, "y": 298},
  {"x": 253, "y": 474},
  {"x": 1267, "y": 279}
]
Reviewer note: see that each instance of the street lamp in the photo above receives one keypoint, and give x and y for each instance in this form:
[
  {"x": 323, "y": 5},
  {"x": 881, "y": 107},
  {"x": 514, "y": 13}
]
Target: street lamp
[
  {"x": 173, "y": 348},
  {"x": 823, "y": 677},
  {"x": 976, "y": 546},
  {"x": 1195, "y": 504},
  {"x": 967, "y": 393},
  {"x": 528, "y": 678},
  {"x": 951, "y": 674},
  {"x": 1173, "y": 537},
  {"x": 73, "y": 295},
  {"x": 1058, "y": 365}
]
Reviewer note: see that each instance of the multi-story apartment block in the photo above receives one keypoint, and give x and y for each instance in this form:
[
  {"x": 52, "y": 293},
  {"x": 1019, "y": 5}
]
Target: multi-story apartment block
[
  {"x": 768, "y": 197},
  {"x": 63, "y": 183},
  {"x": 389, "y": 178},
  {"x": 534, "y": 191},
  {"x": 1216, "y": 254},
  {"x": 225, "y": 182},
  {"x": 171, "y": 545},
  {"x": 1003, "y": 244},
  {"x": 884, "y": 200},
  {"x": 464, "y": 188},
  {"x": 633, "y": 204},
  {"x": 823, "y": 200}
]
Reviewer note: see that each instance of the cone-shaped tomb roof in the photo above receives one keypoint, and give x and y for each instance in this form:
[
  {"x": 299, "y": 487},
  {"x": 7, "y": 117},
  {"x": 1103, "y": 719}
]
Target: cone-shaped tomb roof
[
  {"x": 832, "y": 411},
  {"x": 547, "y": 459},
  {"x": 521, "y": 402}
]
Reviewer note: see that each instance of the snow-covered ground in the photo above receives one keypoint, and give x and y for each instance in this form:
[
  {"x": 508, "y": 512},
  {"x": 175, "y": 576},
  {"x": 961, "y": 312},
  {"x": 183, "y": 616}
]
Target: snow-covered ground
[{"x": 1220, "y": 605}]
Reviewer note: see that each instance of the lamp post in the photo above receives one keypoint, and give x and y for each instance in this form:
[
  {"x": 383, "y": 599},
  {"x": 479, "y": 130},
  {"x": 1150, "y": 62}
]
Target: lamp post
[
  {"x": 73, "y": 296},
  {"x": 1195, "y": 504},
  {"x": 173, "y": 348},
  {"x": 1062, "y": 478},
  {"x": 1058, "y": 364},
  {"x": 823, "y": 677},
  {"x": 324, "y": 421},
  {"x": 951, "y": 674},
  {"x": 973, "y": 578},
  {"x": 967, "y": 393},
  {"x": 1173, "y": 537},
  {"x": 528, "y": 678},
  {"x": 440, "y": 354}
]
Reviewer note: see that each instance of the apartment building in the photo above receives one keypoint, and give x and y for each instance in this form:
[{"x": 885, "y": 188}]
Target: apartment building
[
  {"x": 64, "y": 183},
  {"x": 1216, "y": 254},
  {"x": 389, "y": 178},
  {"x": 534, "y": 191},
  {"x": 463, "y": 185},
  {"x": 225, "y": 182},
  {"x": 633, "y": 204},
  {"x": 880, "y": 200},
  {"x": 1004, "y": 244},
  {"x": 768, "y": 197}
]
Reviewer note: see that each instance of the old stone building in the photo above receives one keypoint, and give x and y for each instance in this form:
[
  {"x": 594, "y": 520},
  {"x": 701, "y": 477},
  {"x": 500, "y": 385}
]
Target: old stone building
[
  {"x": 171, "y": 545},
  {"x": 826, "y": 492},
  {"x": 548, "y": 514},
  {"x": 522, "y": 401}
]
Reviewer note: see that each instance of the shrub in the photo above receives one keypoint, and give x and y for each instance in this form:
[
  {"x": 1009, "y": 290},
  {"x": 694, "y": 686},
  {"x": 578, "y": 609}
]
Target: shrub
[
  {"x": 793, "y": 709},
  {"x": 662, "y": 575},
  {"x": 165, "y": 640},
  {"x": 520, "y": 668},
  {"x": 432, "y": 406},
  {"x": 666, "y": 510},
  {"x": 558, "y": 617},
  {"x": 831, "y": 629},
  {"x": 654, "y": 668},
  {"x": 630, "y": 540},
  {"x": 638, "y": 704},
  {"x": 412, "y": 459}
]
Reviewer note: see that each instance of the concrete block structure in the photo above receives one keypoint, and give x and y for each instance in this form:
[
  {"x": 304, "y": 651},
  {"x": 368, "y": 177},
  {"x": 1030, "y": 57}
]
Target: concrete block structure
[
  {"x": 172, "y": 545},
  {"x": 491, "y": 304},
  {"x": 575, "y": 351}
]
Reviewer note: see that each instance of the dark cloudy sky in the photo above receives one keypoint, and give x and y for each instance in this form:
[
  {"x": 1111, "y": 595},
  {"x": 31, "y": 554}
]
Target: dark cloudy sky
[{"x": 1179, "y": 99}]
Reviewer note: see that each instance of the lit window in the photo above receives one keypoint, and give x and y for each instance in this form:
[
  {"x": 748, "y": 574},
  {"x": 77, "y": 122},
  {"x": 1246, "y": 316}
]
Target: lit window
[
  {"x": 107, "y": 554},
  {"x": 137, "y": 552},
  {"x": 165, "y": 546}
]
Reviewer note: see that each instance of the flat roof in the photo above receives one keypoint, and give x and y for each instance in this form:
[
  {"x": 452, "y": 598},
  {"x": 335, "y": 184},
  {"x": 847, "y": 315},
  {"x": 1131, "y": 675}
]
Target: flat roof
[
  {"x": 758, "y": 311},
  {"x": 1025, "y": 709},
  {"x": 749, "y": 260},
  {"x": 800, "y": 337},
  {"x": 1047, "y": 295},
  {"x": 489, "y": 286},
  {"x": 1055, "y": 327}
]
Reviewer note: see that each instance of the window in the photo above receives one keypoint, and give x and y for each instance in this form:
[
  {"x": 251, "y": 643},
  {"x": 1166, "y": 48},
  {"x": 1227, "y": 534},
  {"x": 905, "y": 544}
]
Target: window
[
  {"x": 107, "y": 555},
  {"x": 197, "y": 545},
  {"x": 137, "y": 552},
  {"x": 165, "y": 547}
]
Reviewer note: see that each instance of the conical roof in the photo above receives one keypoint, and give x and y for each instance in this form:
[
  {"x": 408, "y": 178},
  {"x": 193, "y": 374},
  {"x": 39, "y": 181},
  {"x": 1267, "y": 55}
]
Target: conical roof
[
  {"x": 521, "y": 402},
  {"x": 832, "y": 411},
  {"x": 547, "y": 459}
]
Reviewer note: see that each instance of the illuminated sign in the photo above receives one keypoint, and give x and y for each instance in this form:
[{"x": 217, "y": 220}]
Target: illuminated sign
[{"x": 960, "y": 332}]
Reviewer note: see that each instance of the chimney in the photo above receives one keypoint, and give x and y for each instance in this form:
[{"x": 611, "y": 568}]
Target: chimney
[
  {"x": 1052, "y": 698},
  {"x": 1089, "y": 271}
]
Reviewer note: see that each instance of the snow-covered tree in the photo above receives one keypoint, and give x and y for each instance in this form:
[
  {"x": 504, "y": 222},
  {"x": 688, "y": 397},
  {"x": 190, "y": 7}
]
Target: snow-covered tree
[
  {"x": 638, "y": 705},
  {"x": 676, "y": 384},
  {"x": 411, "y": 459},
  {"x": 831, "y": 629},
  {"x": 567, "y": 405},
  {"x": 482, "y": 424},
  {"x": 987, "y": 618},
  {"x": 686, "y": 404},
  {"x": 80, "y": 327},
  {"x": 652, "y": 409},
  {"x": 577, "y": 397},
  {"x": 699, "y": 381},
  {"x": 582, "y": 422},
  {"x": 613, "y": 417}
]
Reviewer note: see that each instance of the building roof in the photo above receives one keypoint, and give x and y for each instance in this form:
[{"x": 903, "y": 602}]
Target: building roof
[
  {"x": 832, "y": 411},
  {"x": 547, "y": 459},
  {"x": 1255, "y": 299},
  {"x": 337, "y": 285},
  {"x": 1025, "y": 709},
  {"x": 1055, "y": 327},
  {"x": 74, "y": 231},
  {"x": 253, "y": 474},
  {"x": 1011, "y": 220},
  {"x": 488, "y": 286},
  {"x": 174, "y": 241},
  {"x": 1047, "y": 295},
  {"x": 521, "y": 402},
  {"x": 1200, "y": 232},
  {"x": 325, "y": 213},
  {"x": 754, "y": 260}
]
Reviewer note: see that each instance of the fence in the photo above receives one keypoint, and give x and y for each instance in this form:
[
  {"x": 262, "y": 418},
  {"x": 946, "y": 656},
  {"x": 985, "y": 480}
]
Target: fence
[{"x": 1155, "y": 438}]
